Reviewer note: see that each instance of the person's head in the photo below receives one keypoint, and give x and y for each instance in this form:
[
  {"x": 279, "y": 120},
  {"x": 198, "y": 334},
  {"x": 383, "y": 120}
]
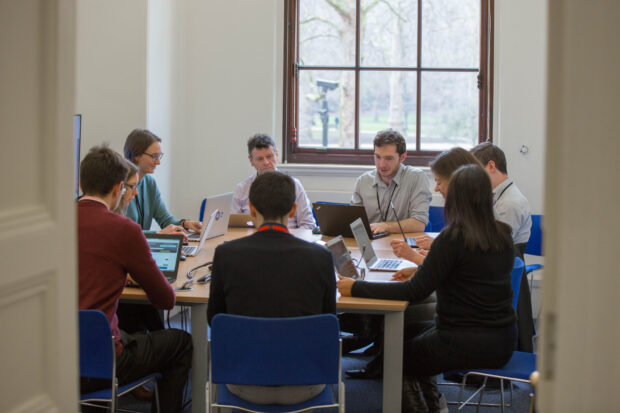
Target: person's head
[
  {"x": 102, "y": 173},
  {"x": 390, "y": 152},
  {"x": 493, "y": 160},
  {"x": 131, "y": 188},
  {"x": 469, "y": 211},
  {"x": 143, "y": 148},
  {"x": 446, "y": 163},
  {"x": 262, "y": 153},
  {"x": 272, "y": 195}
]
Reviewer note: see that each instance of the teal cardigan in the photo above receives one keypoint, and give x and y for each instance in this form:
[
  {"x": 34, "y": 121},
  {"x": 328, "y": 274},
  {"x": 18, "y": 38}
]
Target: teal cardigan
[{"x": 148, "y": 205}]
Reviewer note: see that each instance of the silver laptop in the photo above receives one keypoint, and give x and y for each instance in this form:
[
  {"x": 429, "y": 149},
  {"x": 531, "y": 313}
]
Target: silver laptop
[
  {"x": 191, "y": 250},
  {"x": 222, "y": 204},
  {"x": 368, "y": 253}
]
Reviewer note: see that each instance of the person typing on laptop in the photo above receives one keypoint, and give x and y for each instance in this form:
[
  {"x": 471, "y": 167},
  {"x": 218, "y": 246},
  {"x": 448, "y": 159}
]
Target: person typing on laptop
[
  {"x": 109, "y": 247},
  {"x": 271, "y": 273},
  {"x": 392, "y": 182},
  {"x": 263, "y": 156}
]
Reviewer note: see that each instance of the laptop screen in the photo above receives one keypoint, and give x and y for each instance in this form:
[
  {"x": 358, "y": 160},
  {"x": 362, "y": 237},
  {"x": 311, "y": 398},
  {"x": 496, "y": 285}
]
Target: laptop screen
[{"x": 165, "y": 250}]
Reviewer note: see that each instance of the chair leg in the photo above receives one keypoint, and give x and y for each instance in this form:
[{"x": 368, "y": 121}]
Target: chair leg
[
  {"x": 484, "y": 385},
  {"x": 114, "y": 401},
  {"x": 501, "y": 389},
  {"x": 156, "y": 398}
]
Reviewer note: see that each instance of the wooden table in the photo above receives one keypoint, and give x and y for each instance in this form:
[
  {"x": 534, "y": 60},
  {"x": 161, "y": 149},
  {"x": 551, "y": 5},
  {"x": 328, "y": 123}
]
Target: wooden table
[{"x": 198, "y": 297}]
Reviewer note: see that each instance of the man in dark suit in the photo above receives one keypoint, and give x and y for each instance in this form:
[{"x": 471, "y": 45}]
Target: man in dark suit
[{"x": 271, "y": 273}]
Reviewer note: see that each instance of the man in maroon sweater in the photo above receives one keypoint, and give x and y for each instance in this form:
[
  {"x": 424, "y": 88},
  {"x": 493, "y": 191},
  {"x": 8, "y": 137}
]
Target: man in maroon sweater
[{"x": 109, "y": 247}]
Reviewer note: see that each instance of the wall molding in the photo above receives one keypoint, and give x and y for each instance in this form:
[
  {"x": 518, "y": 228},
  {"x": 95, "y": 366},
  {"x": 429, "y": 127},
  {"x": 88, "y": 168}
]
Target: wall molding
[{"x": 23, "y": 217}]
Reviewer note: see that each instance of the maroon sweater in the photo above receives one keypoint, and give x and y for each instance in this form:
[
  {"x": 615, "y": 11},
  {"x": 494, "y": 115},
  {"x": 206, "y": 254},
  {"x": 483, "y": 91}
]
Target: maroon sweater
[{"x": 109, "y": 247}]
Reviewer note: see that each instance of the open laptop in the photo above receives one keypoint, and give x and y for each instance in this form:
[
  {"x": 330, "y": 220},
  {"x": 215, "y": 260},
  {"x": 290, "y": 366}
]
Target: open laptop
[
  {"x": 334, "y": 219},
  {"x": 191, "y": 250},
  {"x": 241, "y": 221},
  {"x": 368, "y": 253},
  {"x": 166, "y": 251},
  {"x": 221, "y": 203}
]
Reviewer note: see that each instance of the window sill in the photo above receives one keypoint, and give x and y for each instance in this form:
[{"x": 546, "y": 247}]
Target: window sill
[{"x": 330, "y": 170}]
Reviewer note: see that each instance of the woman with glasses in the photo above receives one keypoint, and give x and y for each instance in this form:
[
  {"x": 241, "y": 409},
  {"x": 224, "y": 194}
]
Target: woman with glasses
[
  {"x": 131, "y": 189},
  {"x": 143, "y": 148}
]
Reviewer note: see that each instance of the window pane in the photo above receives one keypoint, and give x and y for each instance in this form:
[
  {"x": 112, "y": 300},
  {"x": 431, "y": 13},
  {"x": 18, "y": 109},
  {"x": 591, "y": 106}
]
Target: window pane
[
  {"x": 326, "y": 108},
  {"x": 389, "y": 33},
  {"x": 387, "y": 100},
  {"x": 327, "y": 33},
  {"x": 449, "y": 110},
  {"x": 451, "y": 33}
]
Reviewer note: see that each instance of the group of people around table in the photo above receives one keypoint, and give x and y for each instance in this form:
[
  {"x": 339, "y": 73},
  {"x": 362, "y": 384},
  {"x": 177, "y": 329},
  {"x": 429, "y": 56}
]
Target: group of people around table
[{"x": 271, "y": 273}]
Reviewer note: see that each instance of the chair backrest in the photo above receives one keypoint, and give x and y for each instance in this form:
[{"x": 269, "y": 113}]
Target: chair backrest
[
  {"x": 275, "y": 351},
  {"x": 516, "y": 274},
  {"x": 96, "y": 345},
  {"x": 534, "y": 245},
  {"x": 201, "y": 214},
  {"x": 435, "y": 219}
]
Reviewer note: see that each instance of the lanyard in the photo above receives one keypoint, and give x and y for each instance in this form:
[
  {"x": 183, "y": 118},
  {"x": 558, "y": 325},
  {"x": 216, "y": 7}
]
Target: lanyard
[
  {"x": 272, "y": 227},
  {"x": 502, "y": 193},
  {"x": 387, "y": 208}
]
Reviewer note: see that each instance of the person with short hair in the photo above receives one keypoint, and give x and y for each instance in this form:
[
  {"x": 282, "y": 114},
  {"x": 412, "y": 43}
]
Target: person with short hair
[
  {"x": 393, "y": 182},
  {"x": 272, "y": 273},
  {"x": 143, "y": 148},
  {"x": 469, "y": 266},
  {"x": 511, "y": 207},
  {"x": 109, "y": 247},
  {"x": 263, "y": 156}
]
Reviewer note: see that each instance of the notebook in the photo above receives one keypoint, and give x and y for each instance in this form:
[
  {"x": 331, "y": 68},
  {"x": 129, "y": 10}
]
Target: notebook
[
  {"x": 191, "y": 250},
  {"x": 166, "y": 251},
  {"x": 334, "y": 219},
  {"x": 222, "y": 203},
  {"x": 368, "y": 253}
]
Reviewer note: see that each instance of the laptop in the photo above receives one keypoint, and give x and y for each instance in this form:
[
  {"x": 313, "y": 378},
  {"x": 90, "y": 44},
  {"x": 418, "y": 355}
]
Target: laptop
[
  {"x": 191, "y": 250},
  {"x": 221, "y": 203},
  {"x": 368, "y": 253},
  {"x": 240, "y": 221},
  {"x": 166, "y": 251},
  {"x": 334, "y": 219}
]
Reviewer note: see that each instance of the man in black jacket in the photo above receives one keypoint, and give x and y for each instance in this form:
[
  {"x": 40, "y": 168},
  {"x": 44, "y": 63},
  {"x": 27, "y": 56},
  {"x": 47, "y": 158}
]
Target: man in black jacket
[{"x": 271, "y": 273}]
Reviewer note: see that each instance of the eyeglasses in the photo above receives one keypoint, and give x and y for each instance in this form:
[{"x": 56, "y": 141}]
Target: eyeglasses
[
  {"x": 155, "y": 156},
  {"x": 130, "y": 187}
]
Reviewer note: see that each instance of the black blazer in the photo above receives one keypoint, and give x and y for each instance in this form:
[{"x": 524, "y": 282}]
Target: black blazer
[{"x": 272, "y": 274}]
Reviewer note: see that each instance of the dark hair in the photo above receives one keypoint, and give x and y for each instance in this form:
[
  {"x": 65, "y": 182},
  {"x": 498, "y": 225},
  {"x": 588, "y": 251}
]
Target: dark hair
[
  {"x": 449, "y": 161},
  {"x": 260, "y": 141},
  {"x": 100, "y": 170},
  {"x": 469, "y": 210},
  {"x": 391, "y": 137},
  {"x": 138, "y": 141},
  {"x": 486, "y": 152},
  {"x": 273, "y": 194}
]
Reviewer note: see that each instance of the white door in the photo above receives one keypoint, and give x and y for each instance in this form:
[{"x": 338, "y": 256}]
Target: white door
[{"x": 38, "y": 344}]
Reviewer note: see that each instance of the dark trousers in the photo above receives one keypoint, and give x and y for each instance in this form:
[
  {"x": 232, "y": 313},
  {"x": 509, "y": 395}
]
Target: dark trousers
[
  {"x": 525, "y": 320},
  {"x": 134, "y": 318},
  {"x": 428, "y": 351},
  {"x": 168, "y": 352}
]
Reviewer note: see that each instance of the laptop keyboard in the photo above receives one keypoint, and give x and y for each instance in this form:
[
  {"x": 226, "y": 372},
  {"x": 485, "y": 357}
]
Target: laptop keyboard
[
  {"x": 388, "y": 264},
  {"x": 189, "y": 249}
]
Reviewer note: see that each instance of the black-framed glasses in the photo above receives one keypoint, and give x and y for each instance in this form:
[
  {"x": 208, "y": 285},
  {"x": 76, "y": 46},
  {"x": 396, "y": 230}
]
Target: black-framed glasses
[{"x": 155, "y": 156}]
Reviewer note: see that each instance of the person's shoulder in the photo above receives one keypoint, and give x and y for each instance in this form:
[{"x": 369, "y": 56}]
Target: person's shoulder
[
  {"x": 368, "y": 176},
  {"x": 412, "y": 171}
]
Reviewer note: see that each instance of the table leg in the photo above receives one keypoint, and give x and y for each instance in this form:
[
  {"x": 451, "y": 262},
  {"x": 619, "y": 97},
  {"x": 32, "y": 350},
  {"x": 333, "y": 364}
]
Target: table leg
[
  {"x": 393, "y": 361},
  {"x": 199, "y": 360}
]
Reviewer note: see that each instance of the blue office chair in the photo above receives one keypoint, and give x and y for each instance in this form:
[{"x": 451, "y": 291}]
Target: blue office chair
[
  {"x": 520, "y": 366},
  {"x": 98, "y": 360},
  {"x": 436, "y": 218},
  {"x": 275, "y": 352},
  {"x": 201, "y": 214},
  {"x": 534, "y": 247}
]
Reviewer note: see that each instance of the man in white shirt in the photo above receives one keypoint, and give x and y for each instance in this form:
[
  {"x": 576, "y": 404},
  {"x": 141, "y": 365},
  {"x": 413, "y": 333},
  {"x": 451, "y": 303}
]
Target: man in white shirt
[
  {"x": 513, "y": 209},
  {"x": 392, "y": 182},
  {"x": 263, "y": 156}
]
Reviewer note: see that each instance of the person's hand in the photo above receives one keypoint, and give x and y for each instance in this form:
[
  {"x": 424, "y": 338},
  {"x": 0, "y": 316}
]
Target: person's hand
[
  {"x": 401, "y": 249},
  {"x": 345, "y": 285},
  {"x": 424, "y": 241},
  {"x": 195, "y": 226},
  {"x": 174, "y": 229},
  {"x": 404, "y": 274},
  {"x": 378, "y": 227},
  {"x": 422, "y": 252}
]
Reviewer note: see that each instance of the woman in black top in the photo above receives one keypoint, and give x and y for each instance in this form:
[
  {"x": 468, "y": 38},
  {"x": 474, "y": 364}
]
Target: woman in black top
[{"x": 469, "y": 268}]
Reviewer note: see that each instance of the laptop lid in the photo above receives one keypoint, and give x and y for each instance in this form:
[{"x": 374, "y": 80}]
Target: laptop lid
[
  {"x": 221, "y": 204},
  {"x": 363, "y": 242},
  {"x": 240, "y": 221},
  {"x": 166, "y": 251},
  {"x": 334, "y": 219},
  {"x": 208, "y": 229}
]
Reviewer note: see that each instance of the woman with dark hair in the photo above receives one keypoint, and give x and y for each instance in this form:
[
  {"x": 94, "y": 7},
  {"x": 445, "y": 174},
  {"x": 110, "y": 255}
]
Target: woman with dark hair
[
  {"x": 442, "y": 168},
  {"x": 469, "y": 268},
  {"x": 143, "y": 148}
]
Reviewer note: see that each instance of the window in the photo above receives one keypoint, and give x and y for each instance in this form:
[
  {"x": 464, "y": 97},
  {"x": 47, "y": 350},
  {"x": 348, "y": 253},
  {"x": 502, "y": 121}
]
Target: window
[{"x": 354, "y": 67}]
